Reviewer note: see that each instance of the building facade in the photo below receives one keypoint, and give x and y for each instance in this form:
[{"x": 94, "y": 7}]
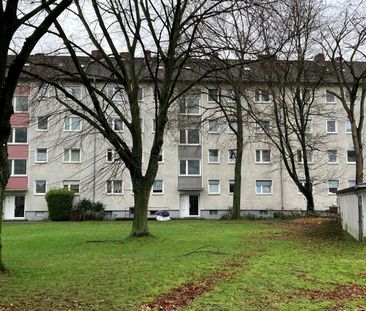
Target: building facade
[{"x": 49, "y": 148}]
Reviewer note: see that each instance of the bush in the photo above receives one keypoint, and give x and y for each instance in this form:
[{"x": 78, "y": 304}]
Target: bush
[
  {"x": 87, "y": 210},
  {"x": 59, "y": 202}
]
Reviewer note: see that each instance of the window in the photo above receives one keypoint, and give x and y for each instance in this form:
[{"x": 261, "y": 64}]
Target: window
[
  {"x": 332, "y": 156},
  {"x": 333, "y": 186},
  {"x": 213, "y": 156},
  {"x": 75, "y": 91},
  {"x": 231, "y": 186},
  {"x": 161, "y": 156},
  {"x": 214, "y": 186},
  {"x": 306, "y": 96},
  {"x": 303, "y": 182},
  {"x": 43, "y": 91},
  {"x": 158, "y": 186},
  {"x": 114, "y": 186},
  {"x": 18, "y": 167},
  {"x": 42, "y": 123},
  {"x": 191, "y": 136},
  {"x": 232, "y": 156},
  {"x": 18, "y": 135},
  {"x": 115, "y": 94},
  {"x": 262, "y": 156},
  {"x": 112, "y": 156},
  {"x": 348, "y": 126},
  {"x": 331, "y": 126},
  {"x": 351, "y": 156},
  {"x": 262, "y": 96},
  {"x": 262, "y": 126},
  {"x": 189, "y": 167},
  {"x": 72, "y": 185},
  {"x": 230, "y": 96},
  {"x": 153, "y": 125},
  {"x": 41, "y": 155},
  {"x": 116, "y": 124},
  {"x": 140, "y": 94},
  {"x": 20, "y": 103},
  {"x": 351, "y": 183},
  {"x": 213, "y": 95},
  {"x": 72, "y": 155},
  {"x": 309, "y": 156},
  {"x": 233, "y": 126},
  {"x": 309, "y": 126},
  {"x": 329, "y": 98},
  {"x": 72, "y": 124},
  {"x": 263, "y": 186},
  {"x": 213, "y": 126},
  {"x": 190, "y": 105},
  {"x": 213, "y": 212},
  {"x": 347, "y": 96},
  {"x": 40, "y": 187}
]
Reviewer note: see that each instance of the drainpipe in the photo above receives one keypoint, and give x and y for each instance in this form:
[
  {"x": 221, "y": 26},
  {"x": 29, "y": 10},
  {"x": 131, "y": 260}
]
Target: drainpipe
[
  {"x": 94, "y": 155},
  {"x": 281, "y": 183}
]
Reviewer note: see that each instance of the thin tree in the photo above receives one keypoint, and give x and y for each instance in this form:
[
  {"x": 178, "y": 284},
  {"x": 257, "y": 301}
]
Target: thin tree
[
  {"x": 343, "y": 42},
  {"x": 14, "y": 16},
  {"x": 171, "y": 31}
]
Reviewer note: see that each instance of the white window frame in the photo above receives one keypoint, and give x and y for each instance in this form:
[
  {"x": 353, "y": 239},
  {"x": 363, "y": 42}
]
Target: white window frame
[
  {"x": 209, "y": 95},
  {"x": 15, "y": 102},
  {"x": 218, "y": 126},
  {"x": 259, "y": 128},
  {"x": 186, "y": 142},
  {"x": 218, "y": 156},
  {"x": 43, "y": 91},
  {"x": 335, "y": 126},
  {"x": 336, "y": 153},
  {"x": 12, "y": 161},
  {"x": 186, "y": 106},
  {"x": 326, "y": 98},
  {"x": 69, "y": 151},
  {"x": 66, "y": 184},
  {"x": 70, "y": 89},
  {"x": 231, "y": 96},
  {"x": 153, "y": 126},
  {"x": 261, "y": 192},
  {"x": 231, "y": 181},
  {"x": 39, "y": 129},
  {"x": 258, "y": 97},
  {"x": 161, "y": 154},
  {"x": 234, "y": 124},
  {"x": 330, "y": 180},
  {"x": 112, "y": 124},
  {"x": 348, "y": 162},
  {"x": 12, "y": 136},
  {"x": 187, "y": 167},
  {"x": 300, "y": 156},
  {"x": 348, "y": 122},
  {"x": 36, "y": 157},
  {"x": 35, "y": 187},
  {"x": 114, "y": 155},
  {"x": 153, "y": 190},
  {"x": 351, "y": 183},
  {"x": 112, "y": 181},
  {"x": 261, "y": 156},
  {"x": 309, "y": 127},
  {"x": 113, "y": 91},
  {"x": 68, "y": 124},
  {"x": 218, "y": 186},
  {"x": 229, "y": 158}
]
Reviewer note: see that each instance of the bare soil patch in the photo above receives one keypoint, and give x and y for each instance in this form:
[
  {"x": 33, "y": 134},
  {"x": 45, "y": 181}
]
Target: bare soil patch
[{"x": 340, "y": 292}]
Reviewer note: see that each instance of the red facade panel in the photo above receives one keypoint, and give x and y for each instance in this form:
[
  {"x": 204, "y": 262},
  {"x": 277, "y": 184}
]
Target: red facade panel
[
  {"x": 20, "y": 119},
  {"x": 18, "y": 151},
  {"x": 17, "y": 183},
  {"x": 22, "y": 90}
]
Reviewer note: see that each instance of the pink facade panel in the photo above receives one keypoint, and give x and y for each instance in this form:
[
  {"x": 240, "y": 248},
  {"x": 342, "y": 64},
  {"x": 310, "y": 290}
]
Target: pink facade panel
[
  {"x": 18, "y": 151},
  {"x": 22, "y": 90},
  {"x": 17, "y": 183},
  {"x": 20, "y": 119}
]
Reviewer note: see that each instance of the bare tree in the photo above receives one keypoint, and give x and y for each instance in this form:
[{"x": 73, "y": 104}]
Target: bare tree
[
  {"x": 14, "y": 16},
  {"x": 343, "y": 41},
  {"x": 291, "y": 86},
  {"x": 170, "y": 30}
]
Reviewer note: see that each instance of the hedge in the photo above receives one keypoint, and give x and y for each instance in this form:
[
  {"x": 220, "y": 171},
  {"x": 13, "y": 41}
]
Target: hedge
[{"x": 59, "y": 202}]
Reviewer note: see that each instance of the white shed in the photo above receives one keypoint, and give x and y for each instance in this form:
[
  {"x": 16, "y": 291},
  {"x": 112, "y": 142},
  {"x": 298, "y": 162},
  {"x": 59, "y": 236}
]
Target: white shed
[{"x": 352, "y": 206}]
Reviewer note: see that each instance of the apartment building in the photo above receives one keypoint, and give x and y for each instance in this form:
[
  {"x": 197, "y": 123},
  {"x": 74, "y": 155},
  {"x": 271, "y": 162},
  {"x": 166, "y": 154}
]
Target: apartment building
[{"x": 49, "y": 148}]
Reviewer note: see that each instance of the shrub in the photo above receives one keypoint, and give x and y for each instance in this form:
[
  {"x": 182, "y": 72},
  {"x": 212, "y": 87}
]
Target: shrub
[
  {"x": 59, "y": 202},
  {"x": 87, "y": 210}
]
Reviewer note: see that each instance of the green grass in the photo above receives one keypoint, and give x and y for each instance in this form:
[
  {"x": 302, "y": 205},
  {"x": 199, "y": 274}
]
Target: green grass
[{"x": 52, "y": 266}]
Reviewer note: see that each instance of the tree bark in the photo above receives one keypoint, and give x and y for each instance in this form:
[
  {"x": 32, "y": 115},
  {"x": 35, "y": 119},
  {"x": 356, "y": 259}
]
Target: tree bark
[
  {"x": 4, "y": 176},
  {"x": 141, "y": 199}
]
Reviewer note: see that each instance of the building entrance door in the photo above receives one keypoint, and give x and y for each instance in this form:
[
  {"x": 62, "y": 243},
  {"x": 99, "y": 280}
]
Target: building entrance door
[
  {"x": 14, "y": 207},
  {"x": 189, "y": 205}
]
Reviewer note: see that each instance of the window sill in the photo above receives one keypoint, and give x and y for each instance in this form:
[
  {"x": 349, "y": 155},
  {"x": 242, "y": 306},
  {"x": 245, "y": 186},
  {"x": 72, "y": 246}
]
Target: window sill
[
  {"x": 71, "y": 162},
  {"x": 40, "y": 162},
  {"x": 114, "y": 194},
  {"x": 157, "y": 193},
  {"x": 264, "y": 194},
  {"x": 40, "y": 194},
  {"x": 40, "y": 130},
  {"x": 263, "y": 163},
  {"x": 213, "y": 163},
  {"x": 215, "y": 193}
]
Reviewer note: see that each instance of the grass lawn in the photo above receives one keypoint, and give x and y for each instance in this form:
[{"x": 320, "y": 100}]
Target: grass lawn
[{"x": 243, "y": 265}]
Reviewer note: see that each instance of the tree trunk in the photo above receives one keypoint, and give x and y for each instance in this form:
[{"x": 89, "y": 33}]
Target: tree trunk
[
  {"x": 309, "y": 202},
  {"x": 4, "y": 177},
  {"x": 357, "y": 143},
  {"x": 237, "y": 178},
  {"x": 141, "y": 200}
]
